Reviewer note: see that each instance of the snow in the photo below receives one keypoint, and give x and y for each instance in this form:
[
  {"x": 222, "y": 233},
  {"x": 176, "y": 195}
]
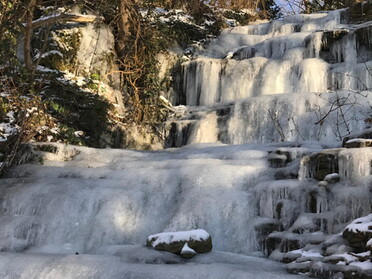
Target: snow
[
  {"x": 52, "y": 52},
  {"x": 138, "y": 262},
  {"x": 331, "y": 176},
  {"x": 58, "y": 14},
  {"x": 363, "y": 224},
  {"x": 367, "y": 265},
  {"x": 53, "y": 15},
  {"x": 308, "y": 254},
  {"x": 46, "y": 70},
  {"x": 104, "y": 203},
  {"x": 358, "y": 140},
  {"x": 169, "y": 16},
  {"x": 187, "y": 249},
  {"x": 9, "y": 127},
  {"x": 169, "y": 237},
  {"x": 79, "y": 133}
]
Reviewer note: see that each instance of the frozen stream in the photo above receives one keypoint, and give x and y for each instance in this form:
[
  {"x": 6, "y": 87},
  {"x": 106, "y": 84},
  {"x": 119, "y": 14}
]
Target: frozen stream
[
  {"x": 136, "y": 262},
  {"x": 103, "y": 204}
]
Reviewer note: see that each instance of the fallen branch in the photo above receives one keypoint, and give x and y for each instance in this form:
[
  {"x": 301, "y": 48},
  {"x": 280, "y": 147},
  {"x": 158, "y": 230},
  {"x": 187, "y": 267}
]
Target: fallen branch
[{"x": 65, "y": 17}]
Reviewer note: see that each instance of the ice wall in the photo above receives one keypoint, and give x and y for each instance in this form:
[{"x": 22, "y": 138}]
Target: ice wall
[
  {"x": 313, "y": 53},
  {"x": 326, "y": 117},
  {"x": 87, "y": 200},
  {"x": 99, "y": 198},
  {"x": 290, "y": 71},
  {"x": 351, "y": 164}
]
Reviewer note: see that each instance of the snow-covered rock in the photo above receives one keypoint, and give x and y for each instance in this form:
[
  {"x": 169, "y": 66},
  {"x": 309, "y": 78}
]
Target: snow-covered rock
[
  {"x": 365, "y": 134},
  {"x": 359, "y": 233},
  {"x": 332, "y": 178},
  {"x": 197, "y": 240},
  {"x": 358, "y": 143},
  {"x": 339, "y": 256}
]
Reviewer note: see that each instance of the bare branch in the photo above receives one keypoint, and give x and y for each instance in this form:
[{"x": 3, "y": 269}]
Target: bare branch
[
  {"x": 274, "y": 117},
  {"x": 43, "y": 21}
]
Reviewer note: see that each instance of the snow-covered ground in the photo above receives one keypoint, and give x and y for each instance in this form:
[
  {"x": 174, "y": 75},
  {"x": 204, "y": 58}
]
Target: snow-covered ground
[{"x": 137, "y": 262}]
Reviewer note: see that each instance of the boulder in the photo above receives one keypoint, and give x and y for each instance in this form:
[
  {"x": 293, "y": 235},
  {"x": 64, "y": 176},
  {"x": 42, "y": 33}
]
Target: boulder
[
  {"x": 358, "y": 233},
  {"x": 263, "y": 228},
  {"x": 277, "y": 161},
  {"x": 272, "y": 243},
  {"x": 296, "y": 268},
  {"x": 319, "y": 165},
  {"x": 323, "y": 184},
  {"x": 279, "y": 158},
  {"x": 366, "y": 134},
  {"x": 369, "y": 245},
  {"x": 198, "y": 240},
  {"x": 358, "y": 143},
  {"x": 332, "y": 178}
]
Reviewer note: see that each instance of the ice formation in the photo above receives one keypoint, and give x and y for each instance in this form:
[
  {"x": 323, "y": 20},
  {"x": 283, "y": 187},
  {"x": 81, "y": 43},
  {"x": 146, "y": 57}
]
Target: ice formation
[
  {"x": 98, "y": 202},
  {"x": 86, "y": 213},
  {"x": 305, "y": 77}
]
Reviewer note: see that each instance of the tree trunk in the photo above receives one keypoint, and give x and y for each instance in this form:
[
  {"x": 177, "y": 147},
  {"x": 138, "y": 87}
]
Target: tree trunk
[
  {"x": 28, "y": 35},
  {"x": 123, "y": 25}
]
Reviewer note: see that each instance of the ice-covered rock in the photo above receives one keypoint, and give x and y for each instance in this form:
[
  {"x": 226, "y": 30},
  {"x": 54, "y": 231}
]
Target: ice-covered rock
[
  {"x": 197, "y": 240},
  {"x": 332, "y": 178},
  {"x": 358, "y": 143},
  {"x": 319, "y": 165},
  {"x": 359, "y": 232},
  {"x": 369, "y": 245},
  {"x": 277, "y": 160},
  {"x": 351, "y": 164},
  {"x": 365, "y": 134},
  {"x": 334, "y": 258},
  {"x": 187, "y": 252}
]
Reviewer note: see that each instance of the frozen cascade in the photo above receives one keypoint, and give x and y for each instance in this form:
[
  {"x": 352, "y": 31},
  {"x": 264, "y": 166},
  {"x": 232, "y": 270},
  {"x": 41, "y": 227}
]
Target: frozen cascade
[
  {"x": 114, "y": 197},
  {"x": 106, "y": 202},
  {"x": 315, "y": 61},
  {"x": 253, "y": 86},
  {"x": 285, "y": 117}
]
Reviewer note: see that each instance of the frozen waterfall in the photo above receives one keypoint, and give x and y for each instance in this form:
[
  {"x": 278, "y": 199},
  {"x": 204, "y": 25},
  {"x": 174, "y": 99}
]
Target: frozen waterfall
[
  {"x": 305, "y": 77},
  {"x": 265, "y": 106}
]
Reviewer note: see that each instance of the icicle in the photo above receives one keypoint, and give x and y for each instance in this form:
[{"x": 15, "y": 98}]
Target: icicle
[{"x": 315, "y": 44}]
